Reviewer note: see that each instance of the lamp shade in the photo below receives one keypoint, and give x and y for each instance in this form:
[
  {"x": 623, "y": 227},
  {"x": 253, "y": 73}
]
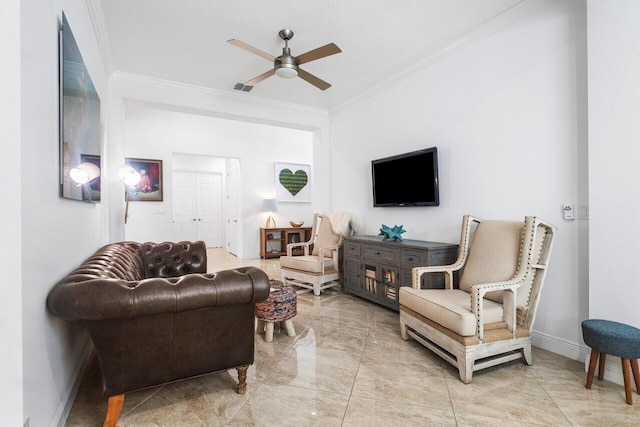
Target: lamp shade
[
  {"x": 84, "y": 173},
  {"x": 269, "y": 205},
  {"x": 128, "y": 175}
]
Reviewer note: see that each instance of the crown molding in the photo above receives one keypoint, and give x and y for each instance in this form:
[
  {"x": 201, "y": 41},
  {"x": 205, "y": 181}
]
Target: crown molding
[
  {"x": 509, "y": 16},
  {"x": 100, "y": 29},
  {"x": 194, "y": 90}
]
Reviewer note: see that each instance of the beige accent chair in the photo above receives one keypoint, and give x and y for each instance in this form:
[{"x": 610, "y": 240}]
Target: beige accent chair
[
  {"x": 320, "y": 269},
  {"x": 488, "y": 320}
]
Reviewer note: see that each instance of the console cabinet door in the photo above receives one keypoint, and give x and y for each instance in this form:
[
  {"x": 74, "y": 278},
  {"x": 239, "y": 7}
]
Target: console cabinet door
[{"x": 375, "y": 269}]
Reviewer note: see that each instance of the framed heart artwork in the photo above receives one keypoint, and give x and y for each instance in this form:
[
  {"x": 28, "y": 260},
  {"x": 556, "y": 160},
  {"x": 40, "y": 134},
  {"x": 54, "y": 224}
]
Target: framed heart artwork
[{"x": 293, "y": 182}]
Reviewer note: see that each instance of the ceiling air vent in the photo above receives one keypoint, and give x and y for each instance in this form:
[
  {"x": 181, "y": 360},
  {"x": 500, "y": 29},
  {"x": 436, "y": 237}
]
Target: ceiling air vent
[{"x": 244, "y": 88}]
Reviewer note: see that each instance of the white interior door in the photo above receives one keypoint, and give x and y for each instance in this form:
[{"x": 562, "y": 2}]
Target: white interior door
[
  {"x": 184, "y": 206},
  {"x": 233, "y": 185},
  {"x": 197, "y": 207},
  {"x": 209, "y": 209}
]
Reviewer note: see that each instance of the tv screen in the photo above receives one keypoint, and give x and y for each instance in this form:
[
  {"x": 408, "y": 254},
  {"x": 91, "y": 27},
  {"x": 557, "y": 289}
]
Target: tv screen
[{"x": 409, "y": 179}]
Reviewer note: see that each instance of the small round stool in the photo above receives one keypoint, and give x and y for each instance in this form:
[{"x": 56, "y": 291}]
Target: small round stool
[
  {"x": 280, "y": 306},
  {"x": 617, "y": 339}
]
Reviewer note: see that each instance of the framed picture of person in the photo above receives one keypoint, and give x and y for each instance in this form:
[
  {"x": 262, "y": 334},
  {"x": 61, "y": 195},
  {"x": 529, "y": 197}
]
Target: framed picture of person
[{"x": 149, "y": 189}]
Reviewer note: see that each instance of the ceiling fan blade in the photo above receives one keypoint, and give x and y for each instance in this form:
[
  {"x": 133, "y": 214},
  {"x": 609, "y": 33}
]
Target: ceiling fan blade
[
  {"x": 310, "y": 78},
  {"x": 254, "y": 81},
  {"x": 321, "y": 52},
  {"x": 243, "y": 45}
]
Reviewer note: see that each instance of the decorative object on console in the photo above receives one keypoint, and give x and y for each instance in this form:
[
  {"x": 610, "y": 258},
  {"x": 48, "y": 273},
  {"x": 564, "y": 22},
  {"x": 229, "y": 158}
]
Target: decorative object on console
[
  {"x": 270, "y": 205},
  {"x": 155, "y": 316},
  {"x": 130, "y": 178},
  {"x": 296, "y": 224},
  {"x": 394, "y": 233},
  {"x": 80, "y": 127},
  {"x": 149, "y": 189},
  {"x": 293, "y": 182}
]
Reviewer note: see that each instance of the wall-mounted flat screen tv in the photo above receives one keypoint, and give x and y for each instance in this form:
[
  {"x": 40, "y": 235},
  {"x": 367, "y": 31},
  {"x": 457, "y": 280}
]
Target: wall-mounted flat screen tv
[{"x": 409, "y": 179}]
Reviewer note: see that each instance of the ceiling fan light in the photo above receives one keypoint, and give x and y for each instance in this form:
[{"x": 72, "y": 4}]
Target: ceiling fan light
[{"x": 287, "y": 73}]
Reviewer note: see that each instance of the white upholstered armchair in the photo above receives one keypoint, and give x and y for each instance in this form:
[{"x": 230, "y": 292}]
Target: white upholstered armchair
[
  {"x": 488, "y": 320},
  {"x": 318, "y": 268}
]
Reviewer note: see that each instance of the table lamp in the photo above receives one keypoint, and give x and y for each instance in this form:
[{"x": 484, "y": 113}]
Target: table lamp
[{"x": 270, "y": 205}]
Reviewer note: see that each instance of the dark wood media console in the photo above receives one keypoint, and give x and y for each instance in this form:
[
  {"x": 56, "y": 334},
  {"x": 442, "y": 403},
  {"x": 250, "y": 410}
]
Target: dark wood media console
[{"x": 375, "y": 269}]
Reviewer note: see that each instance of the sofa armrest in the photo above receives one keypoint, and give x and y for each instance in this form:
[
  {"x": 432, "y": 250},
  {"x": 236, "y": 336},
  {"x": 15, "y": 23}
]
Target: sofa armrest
[{"x": 98, "y": 299}]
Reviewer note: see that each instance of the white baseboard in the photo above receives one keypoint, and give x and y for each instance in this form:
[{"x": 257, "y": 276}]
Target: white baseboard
[
  {"x": 560, "y": 346},
  {"x": 71, "y": 390},
  {"x": 581, "y": 353}
]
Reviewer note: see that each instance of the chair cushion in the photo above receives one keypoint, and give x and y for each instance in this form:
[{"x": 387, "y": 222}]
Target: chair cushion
[
  {"x": 326, "y": 237},
  {"x": 310, "y": 263},
  {"x": 449, "y": 308},
  {"x": 493, "y": 256}
]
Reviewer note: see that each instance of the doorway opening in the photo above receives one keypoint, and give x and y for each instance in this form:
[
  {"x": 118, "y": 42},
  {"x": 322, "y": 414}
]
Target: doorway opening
[{"x": 205, "y": 200}]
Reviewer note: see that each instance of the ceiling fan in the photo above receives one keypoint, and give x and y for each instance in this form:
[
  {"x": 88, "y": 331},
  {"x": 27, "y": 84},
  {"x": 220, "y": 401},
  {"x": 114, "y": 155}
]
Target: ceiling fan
[{"x": 287, "y": 65}]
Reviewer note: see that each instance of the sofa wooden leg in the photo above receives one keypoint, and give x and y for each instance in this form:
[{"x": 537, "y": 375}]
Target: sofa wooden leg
[
  {"x": 113, "y": 410},
  {"x": 242, "y": 379},
  {"x": 593, "y": 361}
]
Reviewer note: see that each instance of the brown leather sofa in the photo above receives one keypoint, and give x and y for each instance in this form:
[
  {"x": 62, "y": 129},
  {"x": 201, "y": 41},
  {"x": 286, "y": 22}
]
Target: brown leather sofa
[{"x": 155, "y": 316}]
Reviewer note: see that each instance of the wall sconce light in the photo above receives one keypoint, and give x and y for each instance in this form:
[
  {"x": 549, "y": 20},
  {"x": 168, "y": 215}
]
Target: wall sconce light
[
  {"x": 129, "y": 177},
  {"x": 270, "y": 205},
  {"x": 84, "y": 173}
]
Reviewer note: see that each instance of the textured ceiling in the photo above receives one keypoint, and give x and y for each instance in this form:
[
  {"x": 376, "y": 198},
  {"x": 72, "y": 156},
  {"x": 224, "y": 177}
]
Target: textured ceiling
[{"x": 186, "y": 41}]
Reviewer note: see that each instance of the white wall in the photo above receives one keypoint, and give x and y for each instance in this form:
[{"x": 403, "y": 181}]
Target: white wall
[
  {"x": 57, "y": 234},
  {"x": 508, "y": 116},
  {"x": 10, "y": 217},
  {"x": 614, "y": 153},
  {"x": 155, "y": 133},
  {"x": 197, "y": 108},
  {"x": 614, "y": 129},
  {"x": 198, "y": 163}
]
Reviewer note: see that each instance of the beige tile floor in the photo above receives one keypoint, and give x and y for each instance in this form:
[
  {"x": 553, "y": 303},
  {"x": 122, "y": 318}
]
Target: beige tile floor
[{"x": 347, "y": 366}]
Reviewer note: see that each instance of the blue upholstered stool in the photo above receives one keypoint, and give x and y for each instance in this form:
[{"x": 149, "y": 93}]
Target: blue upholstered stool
[{"x": 608, "y": 337}]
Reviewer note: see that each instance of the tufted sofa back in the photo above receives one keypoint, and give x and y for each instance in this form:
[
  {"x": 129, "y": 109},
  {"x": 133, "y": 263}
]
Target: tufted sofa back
[
  {"x": 173, "y": 259},
  {"x": 132, "y": 261}
]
